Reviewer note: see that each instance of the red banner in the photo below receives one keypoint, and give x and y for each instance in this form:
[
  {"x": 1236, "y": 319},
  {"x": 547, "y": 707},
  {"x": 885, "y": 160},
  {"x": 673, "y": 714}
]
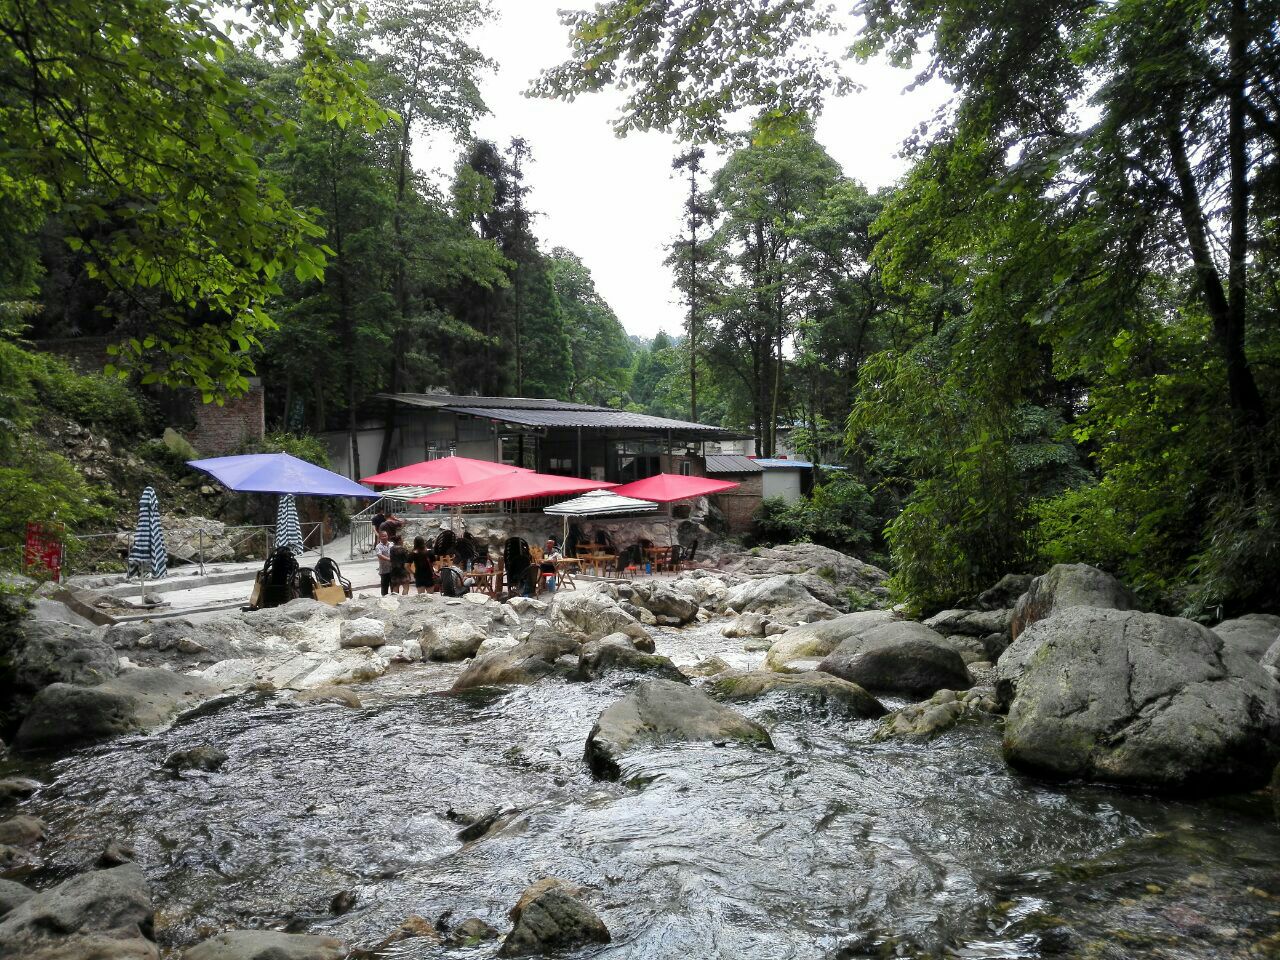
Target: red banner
[{"x": 43, "y": 553}]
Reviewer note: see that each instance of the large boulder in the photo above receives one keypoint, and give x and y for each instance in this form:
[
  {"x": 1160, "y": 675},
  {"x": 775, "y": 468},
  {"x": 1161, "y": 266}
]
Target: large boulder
[
  {"x": 1005, "y": 593},
  {"x": 298, "y": 671},
  {"x": 37, "y": 653},
  {"x": 64, "y": 715},
  {"x": 1069, "y": 585},
  {"x": 664, "y": 602},
  {"x": 100, "y": 914},
  {"x": 362, "y": 632},
  {"x": 13, "y": 894},
  {"x": 617, "y": 653},
  {"x": 903, "y": 657},
  {"x": 766, "y": 594},
  {"x": 588, "y": 614},
  {"x": 450, "y": 639},
  {"x": 549, "y": 918},
  {"x": 663, "y": 711},
  {"x": 944, "y": 710},
  {"x": 1140, "y": 700},
  {"x": 970, "y": 623},
  {"x": 1253, "y": 634},
  {"x": 816, "y": 688},
  {"x": 527, "y": 662},
  {"x": 266, "y": 945},
  {"x": 842, "y": 570},
  {"x": 806, "y": 645}
]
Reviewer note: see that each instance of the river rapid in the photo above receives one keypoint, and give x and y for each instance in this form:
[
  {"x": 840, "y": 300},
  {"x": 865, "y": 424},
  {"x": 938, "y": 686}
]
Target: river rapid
[{"x": 831, "y": 846}]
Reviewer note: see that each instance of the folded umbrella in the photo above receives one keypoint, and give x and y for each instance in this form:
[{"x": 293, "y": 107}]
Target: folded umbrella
[
  {"x": 288, "y": 530},
  {"x": 148, "y": 551}
]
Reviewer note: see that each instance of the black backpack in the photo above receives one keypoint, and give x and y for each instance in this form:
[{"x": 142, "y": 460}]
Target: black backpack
[{"x": 451, "y": 584}]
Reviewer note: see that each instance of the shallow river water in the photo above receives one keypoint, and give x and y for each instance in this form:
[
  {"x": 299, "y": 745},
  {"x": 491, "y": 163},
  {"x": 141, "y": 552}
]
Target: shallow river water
[{"x": 830, "y": 846}]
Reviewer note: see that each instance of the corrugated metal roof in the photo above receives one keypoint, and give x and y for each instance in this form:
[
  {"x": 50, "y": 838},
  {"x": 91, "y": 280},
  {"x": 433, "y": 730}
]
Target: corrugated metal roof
[
  {"x": 731, "y": 463},
  {"x": 600, "y": 417},
  {"x": 509, "y": 403},
  {"x": 780, "y": 463}
]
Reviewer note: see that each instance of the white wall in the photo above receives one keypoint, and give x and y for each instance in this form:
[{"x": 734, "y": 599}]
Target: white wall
[{"x": 782, "y": 483}]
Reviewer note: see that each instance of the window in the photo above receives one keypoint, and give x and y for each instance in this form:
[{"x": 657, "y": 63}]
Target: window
[{"x": 685, "y": 468}]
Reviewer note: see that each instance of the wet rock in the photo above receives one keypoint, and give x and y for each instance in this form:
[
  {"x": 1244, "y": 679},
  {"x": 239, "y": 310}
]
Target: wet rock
[
  {"x": 1140, "y": 700},
  {"x": 587, "y": 614},
  {"x": 819, "y": 689},
  {"x": 13, "y": 894},
  {"x": 706, "y": 668},
  {"x": 641, "y": 639},
  {"x": 63, "y": 715},
  {"x": 617, "y": 654},
  {"x": 475, "y": 823},
  {"x": 297, "y": 671},
  {"x": 266, "y": 945},
  {"x": 22, "y": 831},
  {"x": 329, "y": 694},
  {"x": 38, "y": 653},
  {"x": 944, "y": 710},
  {"x": 549, "y": 918},
  {"x": 449, "y": 639},
  {"x": 970, "y": 623},
  {"x": 15, "y": 861},
  {"x": 758, "y": 645},
  {"x": 1068, "y": 585},
  {"x": 527, "y": 662},
  {"x": 363, "y": 632},
  {"x": 662, "y": 711},
  {"x": 204, "y": 757},
  {"x": 1253, "y": 634},
  {"x": 116, "y": 853},
  {"x": 746, "y": 625},
  {"x": 814, "y": 641},
  {"x": 413, "y": 928},
  {"x": 470, "y": 932},
  {"x": 1005, "y": 593},
  {"x": 342, "y": 902},
  {"x": 903, "y": 657},
  {"x": 662, "y": 601},
  {"x": 18, "y": 788},
  {"x": 101, "y": 914}
]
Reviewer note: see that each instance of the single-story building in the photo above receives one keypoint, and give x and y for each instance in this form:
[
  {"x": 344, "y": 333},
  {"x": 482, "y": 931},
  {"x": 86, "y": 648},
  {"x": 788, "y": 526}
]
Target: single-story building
[{"x": 550, "y": 436}]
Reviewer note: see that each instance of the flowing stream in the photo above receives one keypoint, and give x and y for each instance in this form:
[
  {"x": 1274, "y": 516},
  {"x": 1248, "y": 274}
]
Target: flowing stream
[{"x": 830, "y": 846}]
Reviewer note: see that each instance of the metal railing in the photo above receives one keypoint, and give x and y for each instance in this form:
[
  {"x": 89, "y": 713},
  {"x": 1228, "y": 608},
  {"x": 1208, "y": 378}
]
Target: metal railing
[{"x": 187, "y": 546}]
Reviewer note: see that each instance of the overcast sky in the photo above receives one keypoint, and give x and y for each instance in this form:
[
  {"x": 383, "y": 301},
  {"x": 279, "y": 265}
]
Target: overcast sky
[{"x": 613, "y": 201}]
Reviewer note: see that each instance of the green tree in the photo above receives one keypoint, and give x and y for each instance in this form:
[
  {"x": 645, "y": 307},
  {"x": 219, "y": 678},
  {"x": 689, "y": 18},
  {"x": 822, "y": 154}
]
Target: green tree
[
  {"x": 122, "y": 120},
  {"x": 601, "y": 353}
]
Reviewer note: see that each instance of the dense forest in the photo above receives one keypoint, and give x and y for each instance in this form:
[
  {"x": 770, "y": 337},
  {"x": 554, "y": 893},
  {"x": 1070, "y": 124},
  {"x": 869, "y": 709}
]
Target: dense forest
[{"x": 1054, "y": 340}]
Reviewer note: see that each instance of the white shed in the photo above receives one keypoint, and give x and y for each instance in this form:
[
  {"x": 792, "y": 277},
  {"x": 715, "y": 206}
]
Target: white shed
[{"x": 783, "y": 477}]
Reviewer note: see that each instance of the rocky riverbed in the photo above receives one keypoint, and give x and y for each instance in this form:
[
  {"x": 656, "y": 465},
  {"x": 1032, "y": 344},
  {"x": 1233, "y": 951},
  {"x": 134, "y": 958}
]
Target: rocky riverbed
[{"x": 637, "y": 783}]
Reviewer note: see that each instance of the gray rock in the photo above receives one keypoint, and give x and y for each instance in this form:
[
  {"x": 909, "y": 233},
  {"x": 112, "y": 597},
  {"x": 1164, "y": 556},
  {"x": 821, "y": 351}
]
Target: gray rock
[
  {"x": 821, "y": 689},
  {"x": 1139, "y": 700},
  {"x": 15, "y": 861},
  {"x": 903, "y": 657},
  {"x": 13, "y": 894},
  {"x": 706, "y": 668},
  {"x": 758, "y": 645},
  {"x": 662, "y": 711},
  {"x": 1005, "y": 593},
  {"x": 470, "y": 932},
  {"x": 970, "y": 623},
  {"x": 78, "y": 916},
  {"x": 1253, "y": 634},
  {"x": 587, "y": 614},
  {"x": 944, "y": 710},
  {"x": 813, "y": 641},
  {"x": 41, "y": 652},
  {"x": 617, "y": 654},
  {"x": 449, "y": 639},
  {"x": 329, "y": 694},
  {"x": 22, "y": 831},
  {"x": 1068, "y": 585},
  {"x": 768, "y": 594},
  {"x": 63, "y": 715},
  {"x": 745, "y": 625},
  {"x": 662, "y": 601},
  {"x": 363, "y": 632},
  {"x": 205, "y": 757},
  {"x": 527, "y": 662},
  {"x": 841, "y": 570},
  {"x": 266, "y": 945},
  {"x": 550, "y": 918},
  {"x": 17, "y": 788}
]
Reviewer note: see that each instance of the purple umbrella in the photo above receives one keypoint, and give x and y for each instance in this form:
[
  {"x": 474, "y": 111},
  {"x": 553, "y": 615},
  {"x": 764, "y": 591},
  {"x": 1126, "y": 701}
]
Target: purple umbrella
[{"x": 279, "y": 473}]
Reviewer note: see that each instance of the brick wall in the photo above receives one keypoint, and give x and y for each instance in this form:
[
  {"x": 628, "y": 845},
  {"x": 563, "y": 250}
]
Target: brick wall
[
  {"x": 219, "y": 430},
  {"x": 86, "y": 354},
  {"x": 739, "y": 506}
]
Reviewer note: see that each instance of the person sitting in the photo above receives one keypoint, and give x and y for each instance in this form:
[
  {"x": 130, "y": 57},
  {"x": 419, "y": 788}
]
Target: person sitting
[{"x": 550, "y": 556}]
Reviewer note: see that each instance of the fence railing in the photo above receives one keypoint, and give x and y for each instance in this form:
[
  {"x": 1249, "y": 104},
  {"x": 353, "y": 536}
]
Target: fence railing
[{"x": 187, "y": 546}]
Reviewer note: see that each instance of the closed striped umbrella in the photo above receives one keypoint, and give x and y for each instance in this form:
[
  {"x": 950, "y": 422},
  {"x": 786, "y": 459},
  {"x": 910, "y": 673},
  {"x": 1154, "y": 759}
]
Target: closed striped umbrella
[
  {"x": 288, "y": 530},
  {"x": 148, "y": 552}
]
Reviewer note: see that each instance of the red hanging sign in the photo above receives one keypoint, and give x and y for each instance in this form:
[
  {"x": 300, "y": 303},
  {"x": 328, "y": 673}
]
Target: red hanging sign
[{"x": 43, "y": 552}]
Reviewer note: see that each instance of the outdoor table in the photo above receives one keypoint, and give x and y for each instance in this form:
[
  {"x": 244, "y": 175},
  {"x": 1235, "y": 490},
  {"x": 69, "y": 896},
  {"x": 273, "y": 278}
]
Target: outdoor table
[{"x": 659, "y": 557}]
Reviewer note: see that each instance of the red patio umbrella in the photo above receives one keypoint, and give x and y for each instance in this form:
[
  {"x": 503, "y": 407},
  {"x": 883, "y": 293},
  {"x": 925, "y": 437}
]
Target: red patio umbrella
[
  {"x": 443, "y": 472},
  {"x": 669, "y": 487},
  {"x": 511, "y": 486}
]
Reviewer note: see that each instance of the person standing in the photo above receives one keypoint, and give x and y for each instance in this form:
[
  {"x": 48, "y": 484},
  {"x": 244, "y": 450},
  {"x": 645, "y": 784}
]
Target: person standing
[
  {"x": 424, "y": 574},
  {"x": 382, "y": 550},
  {"x": 399, "y": 566}
]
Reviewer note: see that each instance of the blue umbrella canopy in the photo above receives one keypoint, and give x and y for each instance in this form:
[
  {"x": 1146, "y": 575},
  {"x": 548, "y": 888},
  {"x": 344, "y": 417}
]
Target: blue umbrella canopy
[
  {"x": 288, "y": 530},
  {"x": 148, "y": 550},
  {"x": 279, "y": 473}
]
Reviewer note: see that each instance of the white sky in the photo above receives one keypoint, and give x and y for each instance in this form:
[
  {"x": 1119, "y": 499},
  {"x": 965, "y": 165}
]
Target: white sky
[{"x": 613, "y": 201}]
